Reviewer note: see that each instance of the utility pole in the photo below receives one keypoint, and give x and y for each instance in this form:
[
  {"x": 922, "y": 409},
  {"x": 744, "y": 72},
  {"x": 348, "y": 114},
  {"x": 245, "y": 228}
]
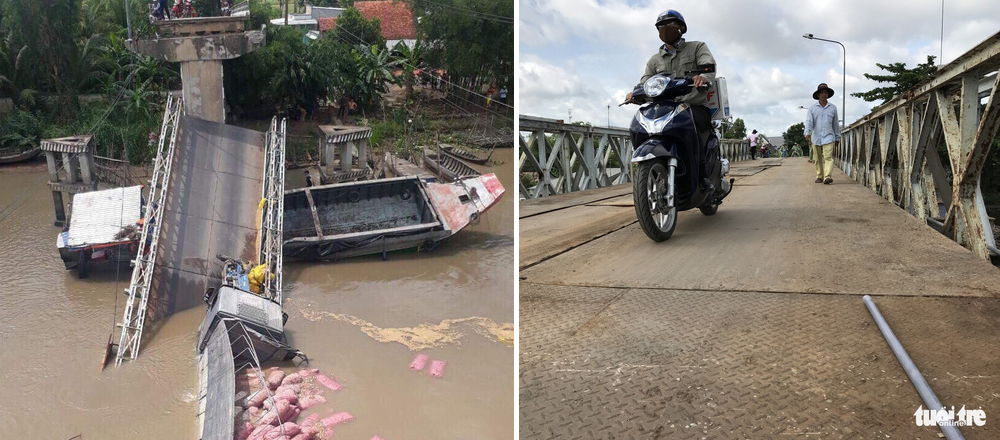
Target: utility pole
[
  {"x": 609, "y": 115},
  {"x": 286, "y": 12}
]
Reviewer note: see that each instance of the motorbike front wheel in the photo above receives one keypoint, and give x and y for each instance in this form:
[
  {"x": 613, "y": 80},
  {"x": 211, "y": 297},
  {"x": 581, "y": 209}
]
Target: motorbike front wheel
[{"x": 648, "y": 192}]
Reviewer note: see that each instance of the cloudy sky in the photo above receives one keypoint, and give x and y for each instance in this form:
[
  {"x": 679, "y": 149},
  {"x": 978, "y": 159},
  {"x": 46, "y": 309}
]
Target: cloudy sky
[{"x": 582, "y": 55}]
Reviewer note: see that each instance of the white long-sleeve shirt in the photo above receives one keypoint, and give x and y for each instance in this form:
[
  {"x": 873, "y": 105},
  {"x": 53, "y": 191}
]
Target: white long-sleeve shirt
[{"x": 822, "y": 123}]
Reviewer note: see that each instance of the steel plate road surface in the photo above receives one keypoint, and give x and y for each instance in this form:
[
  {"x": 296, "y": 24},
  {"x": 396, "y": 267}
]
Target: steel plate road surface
[
  {"x": 212, "y": 207},
  {"x": 750, "y": 323}
]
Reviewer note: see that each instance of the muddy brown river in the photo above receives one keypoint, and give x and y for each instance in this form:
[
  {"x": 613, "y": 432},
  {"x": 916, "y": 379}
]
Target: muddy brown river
[{"x": 361, "y": 320}]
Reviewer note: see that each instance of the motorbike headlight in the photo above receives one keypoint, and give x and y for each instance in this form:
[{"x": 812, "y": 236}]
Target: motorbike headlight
[
  {"x": 656, "y": 126},
  {"x": 655, "y": 85}
]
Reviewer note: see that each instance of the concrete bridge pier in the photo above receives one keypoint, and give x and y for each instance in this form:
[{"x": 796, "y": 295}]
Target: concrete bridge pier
[{"x": 201, "y": 45}]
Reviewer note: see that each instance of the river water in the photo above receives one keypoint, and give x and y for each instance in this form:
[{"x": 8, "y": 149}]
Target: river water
[{"x": 360, "y": 320}]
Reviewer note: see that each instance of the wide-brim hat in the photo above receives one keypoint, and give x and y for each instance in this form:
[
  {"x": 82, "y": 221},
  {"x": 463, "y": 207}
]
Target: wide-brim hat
[{"x": 823, "y": 86}]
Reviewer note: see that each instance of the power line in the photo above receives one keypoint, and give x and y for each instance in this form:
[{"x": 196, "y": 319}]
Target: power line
[{"x": 474, "y": 13}]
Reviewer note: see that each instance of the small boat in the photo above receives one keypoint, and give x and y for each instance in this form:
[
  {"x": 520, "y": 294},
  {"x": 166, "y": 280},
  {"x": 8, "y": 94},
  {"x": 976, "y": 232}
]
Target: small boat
[
  {"x": 103, "y": 228},
  {"x": 448, "y": 168},
  {"x": 13, "y": 155},
  {"x": 465, "y": 154},
  {"x": 399, "y": 167},
  {"x": 346, "y": 220}
]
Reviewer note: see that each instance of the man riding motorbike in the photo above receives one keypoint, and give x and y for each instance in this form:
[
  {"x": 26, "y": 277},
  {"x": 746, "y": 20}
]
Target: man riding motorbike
[{"x": 677, "y": 56}]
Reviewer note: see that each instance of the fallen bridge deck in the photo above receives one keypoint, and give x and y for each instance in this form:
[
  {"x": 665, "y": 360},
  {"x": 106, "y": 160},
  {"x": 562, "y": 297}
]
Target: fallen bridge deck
[{"x": 748, "y": 324}]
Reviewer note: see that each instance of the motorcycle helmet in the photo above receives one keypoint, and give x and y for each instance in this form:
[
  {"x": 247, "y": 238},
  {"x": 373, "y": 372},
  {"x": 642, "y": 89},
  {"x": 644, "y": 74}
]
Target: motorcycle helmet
[{"x": 671, "y": 14}]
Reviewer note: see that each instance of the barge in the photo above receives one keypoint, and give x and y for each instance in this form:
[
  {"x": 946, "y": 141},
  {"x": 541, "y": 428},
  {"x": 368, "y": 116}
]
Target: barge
[{"x": 332, "y": 222}]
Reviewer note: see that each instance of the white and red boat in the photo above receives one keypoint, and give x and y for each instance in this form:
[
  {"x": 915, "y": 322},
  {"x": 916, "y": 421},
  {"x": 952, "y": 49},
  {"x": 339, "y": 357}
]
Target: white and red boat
[{"x": 346, "y": 220}]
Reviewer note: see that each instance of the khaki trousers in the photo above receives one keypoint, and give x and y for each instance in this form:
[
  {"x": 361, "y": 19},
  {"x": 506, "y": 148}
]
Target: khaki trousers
[{"x": 824, "y": 160}]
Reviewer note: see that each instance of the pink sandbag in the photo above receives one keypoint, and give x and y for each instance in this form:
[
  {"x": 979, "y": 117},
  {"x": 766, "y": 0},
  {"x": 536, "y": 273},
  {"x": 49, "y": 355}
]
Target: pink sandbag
[
  {"x": 306, "y": 434},
  {"x": 375, "y": 437},
  {"x": 260, "y": 431},
  {"x": 274, "y": 379},
  {"x": 306, "y": 372},
  {"x": 281, "y": 410},
  {"x": 437, "y": 368},
  {"x": 292, "y": 379},
  {"x": 294, "y": 388},
  {"x": 419, "y": 362},
  {"x": 337, "y": 418},
  {"x": 310, "y": 422},
  {"x": 326, "y": 381},
  {"x": 283, "y": 394},
  {"x": 311, "y": 400},
  {"x": 256, "y": 400},
  {"x": 244, "y": 431},
  {"x": 291, "y": 429},
  {"x": 292, "y": 399},
  {"x": 253, "y": 412}
]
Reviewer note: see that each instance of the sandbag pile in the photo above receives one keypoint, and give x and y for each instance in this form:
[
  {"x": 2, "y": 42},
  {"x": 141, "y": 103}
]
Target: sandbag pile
[{"x": 270, "y": 409}]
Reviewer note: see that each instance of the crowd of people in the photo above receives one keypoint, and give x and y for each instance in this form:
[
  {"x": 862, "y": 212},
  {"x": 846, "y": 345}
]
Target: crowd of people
[{"x": 162, "y": 9}]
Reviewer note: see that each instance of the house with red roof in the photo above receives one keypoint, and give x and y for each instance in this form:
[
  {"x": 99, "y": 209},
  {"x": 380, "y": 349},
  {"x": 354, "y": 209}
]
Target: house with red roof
[{"x": 395, "y": 18}]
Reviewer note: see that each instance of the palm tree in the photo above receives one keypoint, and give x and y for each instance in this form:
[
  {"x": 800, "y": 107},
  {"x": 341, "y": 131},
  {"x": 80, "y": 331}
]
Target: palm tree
[
  {"x": 13, "y": 60},
  {"x": 410, "y": 59}
]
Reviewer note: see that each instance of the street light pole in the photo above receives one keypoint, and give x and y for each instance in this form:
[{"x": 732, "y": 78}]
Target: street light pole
[
  {"x": 609, "y": 115},
  {"x": 843, "y": 111}
]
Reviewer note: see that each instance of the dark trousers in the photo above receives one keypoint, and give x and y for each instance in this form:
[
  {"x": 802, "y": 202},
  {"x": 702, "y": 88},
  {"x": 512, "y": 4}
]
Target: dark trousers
[
  {"x": 753, "y": 152},
  {"x": 703, "y": 122},
  {"x": 164, "y": 9}
]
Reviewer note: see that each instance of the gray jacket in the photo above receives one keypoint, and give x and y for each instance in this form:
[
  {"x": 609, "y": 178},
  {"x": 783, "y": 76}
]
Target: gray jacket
[{"x": 689, "y": 54}]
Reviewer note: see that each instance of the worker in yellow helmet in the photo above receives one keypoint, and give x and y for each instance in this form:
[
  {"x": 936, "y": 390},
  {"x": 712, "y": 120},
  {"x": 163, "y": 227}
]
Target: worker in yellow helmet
[{"x": 256, "y": 278}]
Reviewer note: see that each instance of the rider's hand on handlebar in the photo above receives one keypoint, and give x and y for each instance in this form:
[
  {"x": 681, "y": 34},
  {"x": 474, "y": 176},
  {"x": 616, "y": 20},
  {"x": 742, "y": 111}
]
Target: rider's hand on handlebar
[{"x": 699, "y": 81}]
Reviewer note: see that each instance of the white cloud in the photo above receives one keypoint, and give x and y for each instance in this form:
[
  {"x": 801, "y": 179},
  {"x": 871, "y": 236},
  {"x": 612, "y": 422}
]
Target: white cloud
[{"x": 582, "y": 54}]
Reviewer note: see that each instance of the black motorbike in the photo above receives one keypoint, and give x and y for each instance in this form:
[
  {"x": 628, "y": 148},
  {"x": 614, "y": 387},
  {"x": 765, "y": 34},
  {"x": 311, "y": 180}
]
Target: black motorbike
[{"x": 673, "y": 174}]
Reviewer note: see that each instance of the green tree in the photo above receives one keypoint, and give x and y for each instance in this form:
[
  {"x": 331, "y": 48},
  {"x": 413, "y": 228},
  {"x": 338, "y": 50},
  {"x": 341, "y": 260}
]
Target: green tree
[
  {"x": 737, "y": 131},
  {"x": 472, "y": 39},
  {"x": 794, "y": 135},
  {"x": 208, "y": 8},
  {"x": 353, "y": 28},
  {"x": 410, "y": 59},
  {"x": 899, "y": 79}
]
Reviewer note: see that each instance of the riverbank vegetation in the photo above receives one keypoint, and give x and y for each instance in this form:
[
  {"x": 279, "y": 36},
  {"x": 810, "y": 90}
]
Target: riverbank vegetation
[{"x": 65, "y": 69}]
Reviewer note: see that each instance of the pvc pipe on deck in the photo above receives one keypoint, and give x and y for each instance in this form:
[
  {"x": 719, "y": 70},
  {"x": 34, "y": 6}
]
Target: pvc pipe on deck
[{"x": 930, "y": 399}]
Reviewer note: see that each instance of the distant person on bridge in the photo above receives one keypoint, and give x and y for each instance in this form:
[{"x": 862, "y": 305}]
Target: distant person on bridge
[
  {"x": 753, "y": 145},
  {"x": 677, "y": 56},
  {"x": 164, "y": 9},
  {"x": 309, "y": 180},
  {"x": 822, "y": 132}
]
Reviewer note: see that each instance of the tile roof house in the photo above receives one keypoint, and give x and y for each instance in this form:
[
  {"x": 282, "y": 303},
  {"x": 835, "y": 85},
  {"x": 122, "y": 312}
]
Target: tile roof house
[{"x": 395, "y": 18}]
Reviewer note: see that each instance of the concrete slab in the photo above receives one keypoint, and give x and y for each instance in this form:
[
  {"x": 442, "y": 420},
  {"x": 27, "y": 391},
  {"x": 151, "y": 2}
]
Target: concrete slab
[{"x": 778, "y": 232}]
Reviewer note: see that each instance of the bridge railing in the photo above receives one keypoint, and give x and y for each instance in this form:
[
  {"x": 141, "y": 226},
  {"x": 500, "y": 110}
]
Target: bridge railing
[
  {"x": 735, "y": 149},
  {"x": 894, "y": 149},
  {"x": 559, "y": 158},
  {"x": 595, "y": 157}
]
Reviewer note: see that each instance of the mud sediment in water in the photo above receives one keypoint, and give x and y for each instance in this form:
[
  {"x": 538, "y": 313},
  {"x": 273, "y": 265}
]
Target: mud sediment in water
[{"x": 424, "y": 336}]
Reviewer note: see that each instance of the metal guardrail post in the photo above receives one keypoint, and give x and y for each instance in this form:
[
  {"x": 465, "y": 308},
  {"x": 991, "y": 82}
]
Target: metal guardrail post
[
  {"x": 894, "y": 149},
  {"x": 566, "y": 158}
]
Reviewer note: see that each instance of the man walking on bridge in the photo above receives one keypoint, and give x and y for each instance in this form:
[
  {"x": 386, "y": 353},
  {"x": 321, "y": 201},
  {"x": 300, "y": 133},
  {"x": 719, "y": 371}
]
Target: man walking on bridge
[{"x": 822, "y": 132}]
